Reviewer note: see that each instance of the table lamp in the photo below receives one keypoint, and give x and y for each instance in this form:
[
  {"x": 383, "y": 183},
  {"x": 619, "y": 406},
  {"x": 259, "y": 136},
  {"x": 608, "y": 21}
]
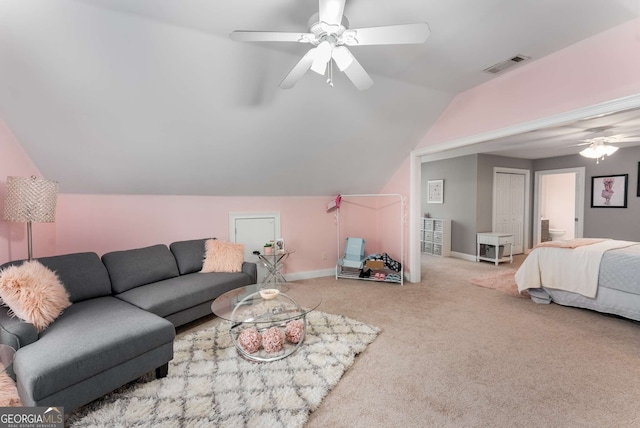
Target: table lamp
[{"x": 30, "y": 199}]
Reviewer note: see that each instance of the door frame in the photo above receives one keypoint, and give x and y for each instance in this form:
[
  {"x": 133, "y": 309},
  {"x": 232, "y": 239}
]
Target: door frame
[
  {"x": 526, "y": 224},
  {"x": 580, "y": 172}
]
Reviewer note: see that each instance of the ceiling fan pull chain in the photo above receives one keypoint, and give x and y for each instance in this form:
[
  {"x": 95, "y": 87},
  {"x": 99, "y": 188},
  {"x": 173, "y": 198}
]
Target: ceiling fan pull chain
[{"x": 330, "y": 73}]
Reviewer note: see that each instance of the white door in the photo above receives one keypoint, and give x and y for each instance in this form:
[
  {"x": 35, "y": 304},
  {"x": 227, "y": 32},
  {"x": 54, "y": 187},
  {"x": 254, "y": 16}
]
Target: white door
[
  {"x": 509, "y": 207},
  {"x": 254, "y": 232}
]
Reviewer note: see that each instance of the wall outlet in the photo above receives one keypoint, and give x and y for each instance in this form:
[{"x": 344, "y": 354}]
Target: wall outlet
[{"x": 324, "y": 255}]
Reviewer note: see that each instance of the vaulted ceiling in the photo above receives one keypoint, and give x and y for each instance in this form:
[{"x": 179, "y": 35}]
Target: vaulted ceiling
[{"x": 152, "y": 97}]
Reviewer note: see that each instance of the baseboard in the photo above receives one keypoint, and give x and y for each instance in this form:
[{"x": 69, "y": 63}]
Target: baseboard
[
  {"x": 463, "y": 256},
  {"x": 297, "y": 276}
]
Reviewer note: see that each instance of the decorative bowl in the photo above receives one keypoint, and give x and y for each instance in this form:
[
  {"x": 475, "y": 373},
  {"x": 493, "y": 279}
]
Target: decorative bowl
[{"x": 269, "y": 293}]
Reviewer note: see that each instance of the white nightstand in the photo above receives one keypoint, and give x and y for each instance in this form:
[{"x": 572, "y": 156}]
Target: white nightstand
[{"x": 485, "y": 240}]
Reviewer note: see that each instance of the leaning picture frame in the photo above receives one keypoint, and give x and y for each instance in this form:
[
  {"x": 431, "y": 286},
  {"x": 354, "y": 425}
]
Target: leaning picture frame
[
  {"x": 435, "y": 191},
  {"x": 609, "y": 191},
  {"x": 279, "y": 245}
]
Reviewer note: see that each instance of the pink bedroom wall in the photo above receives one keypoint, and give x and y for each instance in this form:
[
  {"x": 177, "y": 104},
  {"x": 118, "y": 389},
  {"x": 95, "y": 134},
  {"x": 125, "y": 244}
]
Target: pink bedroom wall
[
  {"x": 103, "y": 223},
  {"x": 13, "y": 236}
]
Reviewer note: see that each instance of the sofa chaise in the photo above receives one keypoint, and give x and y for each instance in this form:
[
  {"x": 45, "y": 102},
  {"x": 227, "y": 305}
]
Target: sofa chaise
[{"x": 120, "y": 324}]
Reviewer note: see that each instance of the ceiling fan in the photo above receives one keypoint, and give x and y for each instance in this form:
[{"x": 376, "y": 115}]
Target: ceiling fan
[
  {"x": 329, "y": 34},
  {"x": 599, "y": 143}
]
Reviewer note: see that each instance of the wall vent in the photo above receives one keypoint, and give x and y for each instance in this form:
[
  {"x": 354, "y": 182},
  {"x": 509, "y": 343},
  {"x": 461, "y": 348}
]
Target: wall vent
[{"x": 501, "y": 66}]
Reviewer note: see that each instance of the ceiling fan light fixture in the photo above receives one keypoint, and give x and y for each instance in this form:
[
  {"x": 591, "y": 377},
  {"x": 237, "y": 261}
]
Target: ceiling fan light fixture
[{"x": 598, "y": 151}]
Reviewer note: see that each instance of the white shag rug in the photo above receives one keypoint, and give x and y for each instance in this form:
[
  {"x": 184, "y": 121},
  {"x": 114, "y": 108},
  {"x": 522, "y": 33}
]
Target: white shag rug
[{"x": 209, "y": 384}]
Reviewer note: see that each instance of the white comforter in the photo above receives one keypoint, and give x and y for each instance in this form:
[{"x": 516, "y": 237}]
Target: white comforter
[{"x": 568, "y": 269}]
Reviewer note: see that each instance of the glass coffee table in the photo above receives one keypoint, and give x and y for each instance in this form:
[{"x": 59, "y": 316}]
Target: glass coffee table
[{"x": 263, "y": 306}]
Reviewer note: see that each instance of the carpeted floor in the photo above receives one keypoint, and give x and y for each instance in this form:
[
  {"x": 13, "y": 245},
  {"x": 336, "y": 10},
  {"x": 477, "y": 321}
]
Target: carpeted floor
[
  {"x": 451, "y": 354},
  {"x": 209, "y": 384}
]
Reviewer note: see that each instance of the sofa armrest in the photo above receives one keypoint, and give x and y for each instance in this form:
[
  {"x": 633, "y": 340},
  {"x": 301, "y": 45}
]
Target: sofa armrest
[
  {"x": 251, "y": 269},
  {"x": 14, "y": 331}
]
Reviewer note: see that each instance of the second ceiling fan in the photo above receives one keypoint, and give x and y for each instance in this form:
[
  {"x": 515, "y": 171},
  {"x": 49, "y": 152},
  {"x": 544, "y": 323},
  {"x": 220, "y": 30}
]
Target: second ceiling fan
[{"x": 329, "y": 34}]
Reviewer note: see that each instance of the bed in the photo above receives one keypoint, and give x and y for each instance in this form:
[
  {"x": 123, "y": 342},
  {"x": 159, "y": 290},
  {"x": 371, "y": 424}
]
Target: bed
[{"x": 598, "y": 274}]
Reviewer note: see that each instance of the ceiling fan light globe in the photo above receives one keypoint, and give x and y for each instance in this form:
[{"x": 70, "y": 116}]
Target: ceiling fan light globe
[
  {"x": 323, "y": 56},
  {"x": 590, "y": 153},
  {"x": 609, "y": 150},
  {"x": 342, "y": 57}
]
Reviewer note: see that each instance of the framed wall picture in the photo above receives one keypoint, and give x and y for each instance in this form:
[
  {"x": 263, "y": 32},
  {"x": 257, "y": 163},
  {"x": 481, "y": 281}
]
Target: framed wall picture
[
  {"x": 435, "y": 191},
  {"x": 609, "y": 191},
  {"x": 280, "y": 245}
]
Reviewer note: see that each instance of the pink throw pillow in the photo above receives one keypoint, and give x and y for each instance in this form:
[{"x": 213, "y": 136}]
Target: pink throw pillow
[
  {"x": 220, "y": 256},
  {"x": 8, "y": 392},
  {"x": 33, "y": 293}
]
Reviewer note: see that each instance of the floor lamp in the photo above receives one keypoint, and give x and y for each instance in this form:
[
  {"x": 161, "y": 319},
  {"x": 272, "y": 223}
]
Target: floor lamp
[{"x": 30, "y": 199}]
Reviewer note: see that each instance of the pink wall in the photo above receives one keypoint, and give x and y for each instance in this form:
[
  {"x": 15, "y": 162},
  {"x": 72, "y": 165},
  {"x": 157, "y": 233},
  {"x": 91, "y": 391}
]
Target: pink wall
[
  {"x": 104, "y": 223},
  {"x": 368, "y": 217},
  {"x": 13, "y": 236}
]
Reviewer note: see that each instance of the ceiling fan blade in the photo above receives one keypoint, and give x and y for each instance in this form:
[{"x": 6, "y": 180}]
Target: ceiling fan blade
[
  {"x": 299, "y": 70},
  {"x": 270, "y": 36},
  {"x": 387, "y": 35},
  {"x": 331, "y": 11},
  {"x": 323, "y": 56},
  {"x": 358, "y": 75}
]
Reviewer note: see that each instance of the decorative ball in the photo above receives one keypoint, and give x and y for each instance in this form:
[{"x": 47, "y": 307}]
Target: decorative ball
[
  {"x": 250, "y": 340},
  {"x": 294, "y": 331},
  {"x": 273, "y": 340}
]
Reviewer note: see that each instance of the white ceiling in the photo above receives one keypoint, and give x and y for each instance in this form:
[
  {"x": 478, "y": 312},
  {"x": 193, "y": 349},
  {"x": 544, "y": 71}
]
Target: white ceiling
[{"x": 152, "y": 97}]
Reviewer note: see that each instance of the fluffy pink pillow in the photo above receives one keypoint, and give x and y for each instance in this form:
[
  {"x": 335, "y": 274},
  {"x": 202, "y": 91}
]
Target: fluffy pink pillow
[
  {"x": 8, "y": 392},
  {"x": 33, "y": 293},
  {"x": 220, "y": 256}
]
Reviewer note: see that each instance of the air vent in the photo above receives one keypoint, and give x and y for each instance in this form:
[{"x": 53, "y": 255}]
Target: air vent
[{"x": 501, "y": 66}]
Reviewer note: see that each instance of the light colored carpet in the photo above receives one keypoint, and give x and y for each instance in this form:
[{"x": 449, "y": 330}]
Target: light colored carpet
[
  {"x": 209, "y": 384},
  {"x": 503, "y": 280}
]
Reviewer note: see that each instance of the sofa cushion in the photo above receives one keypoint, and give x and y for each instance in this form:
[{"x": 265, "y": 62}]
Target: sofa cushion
[
  {"x": 88, "y": 338},
  {"x": 132, "y": 268},
  {"x": 82, "y": 274},
  {"x": 167, "y": 297},
  {"x": 33, "y": 292},
  {"x": 189, "y": 255}
]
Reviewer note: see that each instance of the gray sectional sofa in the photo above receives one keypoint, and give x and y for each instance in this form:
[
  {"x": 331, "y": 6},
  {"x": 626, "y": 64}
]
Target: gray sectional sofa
[{"x": 121, "y": 324}]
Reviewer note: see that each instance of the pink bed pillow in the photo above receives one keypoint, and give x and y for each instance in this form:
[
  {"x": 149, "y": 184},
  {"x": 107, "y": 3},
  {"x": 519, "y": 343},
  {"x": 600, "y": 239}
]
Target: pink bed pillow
[
  {"x": 33, "y": 293},
  {"x": 221, "y": 256}
]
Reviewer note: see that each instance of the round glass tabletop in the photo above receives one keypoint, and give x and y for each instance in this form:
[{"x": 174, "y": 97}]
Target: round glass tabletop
[{"x": 247, "y": 305}]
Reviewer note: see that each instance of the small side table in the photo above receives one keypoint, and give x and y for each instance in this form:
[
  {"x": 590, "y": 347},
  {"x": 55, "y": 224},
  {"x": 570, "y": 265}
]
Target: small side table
[
  {"x": 273, "y": 263},
  {"x": 496, "y": 240}
]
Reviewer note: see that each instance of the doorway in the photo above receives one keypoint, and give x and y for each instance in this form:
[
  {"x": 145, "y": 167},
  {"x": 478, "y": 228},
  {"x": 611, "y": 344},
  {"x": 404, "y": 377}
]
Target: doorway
[{"x": 559, "y": 198}]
